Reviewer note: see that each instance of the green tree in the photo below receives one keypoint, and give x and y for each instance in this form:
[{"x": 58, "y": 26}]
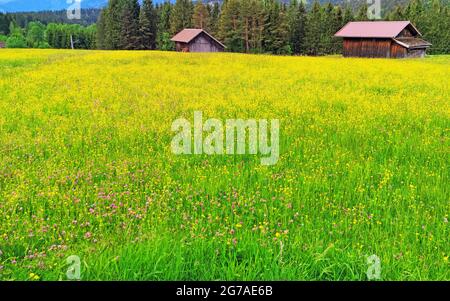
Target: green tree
[
  {"x": 252, "y": 22},
  {"x": 148, "y": 22},
  {"x": 347, "y": 15},
  {"x": 337, "y": 23},
  {"x": 214, "y": 14},
  {"x": 276, "y": 29},
  {"x": 362, "y": 14},
  {"x": 5, "y": 20},
  {"x": 313, "y": 30},
  {"x": 113, "y": 25},
  {"x": 200, "y": 18},
  {"x": 36, "y": 35},
  {"x": 164, "y": 30},
  {"x": 230, "y": 29},
  {"x": 129, "y": 38},
  {"x": 181, "y": 16},
  {"x": 101, "y": 29},
  {"x": 16, "y": 38},
  {"x": 327, "y": 29}
]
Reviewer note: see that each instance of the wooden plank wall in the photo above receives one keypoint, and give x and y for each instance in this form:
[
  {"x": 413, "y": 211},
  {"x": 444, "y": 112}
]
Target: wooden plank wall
[
  {"x": 376, "y": 48},
  {"x": 203, "y": 43},
  {"x": 398, "y": 51}
]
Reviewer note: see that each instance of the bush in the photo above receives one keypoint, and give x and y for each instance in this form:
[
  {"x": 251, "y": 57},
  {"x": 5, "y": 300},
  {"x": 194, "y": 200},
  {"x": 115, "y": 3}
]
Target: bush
[
  {"x": 43, "y": 45},
  {"x": 16, "y": 41}
]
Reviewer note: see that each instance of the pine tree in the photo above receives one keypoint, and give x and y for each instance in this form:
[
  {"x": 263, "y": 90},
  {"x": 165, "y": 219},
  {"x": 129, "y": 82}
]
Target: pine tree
[
  {"x": 230, "y": 29},
  {"x": 164, "y": 31},
  {"x": 276, "y": 29},
  {"x": 252, "y": 22},
  {"x": 181, "y": 16},
  {"x": 301, "y": 27},
  {"x": 129, "y": 25},
  {"x": 313, "y": 30},
  {"x": 201, "y": 17},
  {"x": 362, "y": 14},
  {"x": 293, "y": 19},
  {"x": 348, "y": 15},
  {"x": 337, "y": 23},
  {"x": 256, "y": 37},
  {"x": 214, "y": 13},
  {"x": 113, "y": 25},
  {"x": 327, "y": 29},
  {"x": 148, "y": 20},
  {"x": 397, "y": 14},
  {"x": 101, "y": 30}
]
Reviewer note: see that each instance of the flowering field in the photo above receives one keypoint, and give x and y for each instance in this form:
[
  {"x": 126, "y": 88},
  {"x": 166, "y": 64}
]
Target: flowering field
[{"x": 86, "y": 167}]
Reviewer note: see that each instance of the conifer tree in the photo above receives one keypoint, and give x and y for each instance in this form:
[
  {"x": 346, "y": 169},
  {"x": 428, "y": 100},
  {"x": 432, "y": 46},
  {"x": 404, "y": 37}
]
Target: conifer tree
[
  {"x": 101, "y": 30},
  {"x": 327, "y": 29},
  {"x": 164, "y": 31},
  {"x": 181, "y": 16},
  {"x": 201, "y": 16},
  {"x": 252, "y": 20},
  {"x": 276, "y": 29},
  {"x": 148, "y": 20},
  {"x": 129, "y": 22},
  {"x": 313, "y": 30},
  {"x": 214, "y": 13},
  {"x": 337, "y": 24},
  {"x": 230, "y": 29},
  {"x": 362, "y": 14},
  {"x": 112, "y": 25}
]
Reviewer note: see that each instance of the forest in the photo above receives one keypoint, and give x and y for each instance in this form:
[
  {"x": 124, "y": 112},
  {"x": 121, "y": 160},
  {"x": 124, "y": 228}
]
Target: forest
[{"x": 247, "y": 26}]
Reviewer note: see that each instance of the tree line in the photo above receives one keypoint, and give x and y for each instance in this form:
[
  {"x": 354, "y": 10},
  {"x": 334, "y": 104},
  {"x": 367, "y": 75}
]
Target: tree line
[
  {"x": 255, "y": 26},
  {"x": 250, "y": 26},
  {"x": 52, "y": 35}
]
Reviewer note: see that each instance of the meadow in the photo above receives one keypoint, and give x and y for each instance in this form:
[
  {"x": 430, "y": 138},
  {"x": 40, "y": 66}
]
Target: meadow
[{"x": 86, "y": 167}]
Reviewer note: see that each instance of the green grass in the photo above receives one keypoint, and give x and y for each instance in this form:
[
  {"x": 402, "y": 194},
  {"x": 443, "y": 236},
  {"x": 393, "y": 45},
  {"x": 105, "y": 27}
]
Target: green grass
[{"x": 86, "y": 167}]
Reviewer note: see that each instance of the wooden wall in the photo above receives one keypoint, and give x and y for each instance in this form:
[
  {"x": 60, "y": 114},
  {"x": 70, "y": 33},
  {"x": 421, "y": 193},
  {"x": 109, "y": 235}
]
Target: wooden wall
[
  {"x": 203, "y": 43},
  {"x": 416, "y": 53},
  {"x": 398, "y": 51},
  {"x": 376, "y": 48},
  {"x": 381, "y": 48}
]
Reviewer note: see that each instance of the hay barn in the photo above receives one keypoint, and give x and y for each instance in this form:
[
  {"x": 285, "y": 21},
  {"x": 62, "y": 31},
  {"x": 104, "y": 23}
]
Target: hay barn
[
  {"x": 382, "y": 39},
  {"x": 197, "y": 40}
]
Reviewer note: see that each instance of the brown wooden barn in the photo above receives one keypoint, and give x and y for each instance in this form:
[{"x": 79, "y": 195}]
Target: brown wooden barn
[
  {"x": 197, "y": 40},
  {"x": 382, "y": 39}
]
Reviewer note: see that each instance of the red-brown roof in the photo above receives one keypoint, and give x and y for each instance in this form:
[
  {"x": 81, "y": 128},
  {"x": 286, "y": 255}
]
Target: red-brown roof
[
  {"x": 187, "y": 35},
  {"x": 374, "y": 29}
]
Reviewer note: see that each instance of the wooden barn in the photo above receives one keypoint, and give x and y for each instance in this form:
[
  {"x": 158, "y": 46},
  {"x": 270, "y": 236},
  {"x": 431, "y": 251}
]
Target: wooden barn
[
  {"x": 382, "y": 39},
  {"x": 197, "y": 40}
]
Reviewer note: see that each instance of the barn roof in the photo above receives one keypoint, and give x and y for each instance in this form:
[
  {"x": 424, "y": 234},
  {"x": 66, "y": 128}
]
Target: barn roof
[
  {"x": 188, "y": 34},
  {"x": 374, "y": 29}
]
